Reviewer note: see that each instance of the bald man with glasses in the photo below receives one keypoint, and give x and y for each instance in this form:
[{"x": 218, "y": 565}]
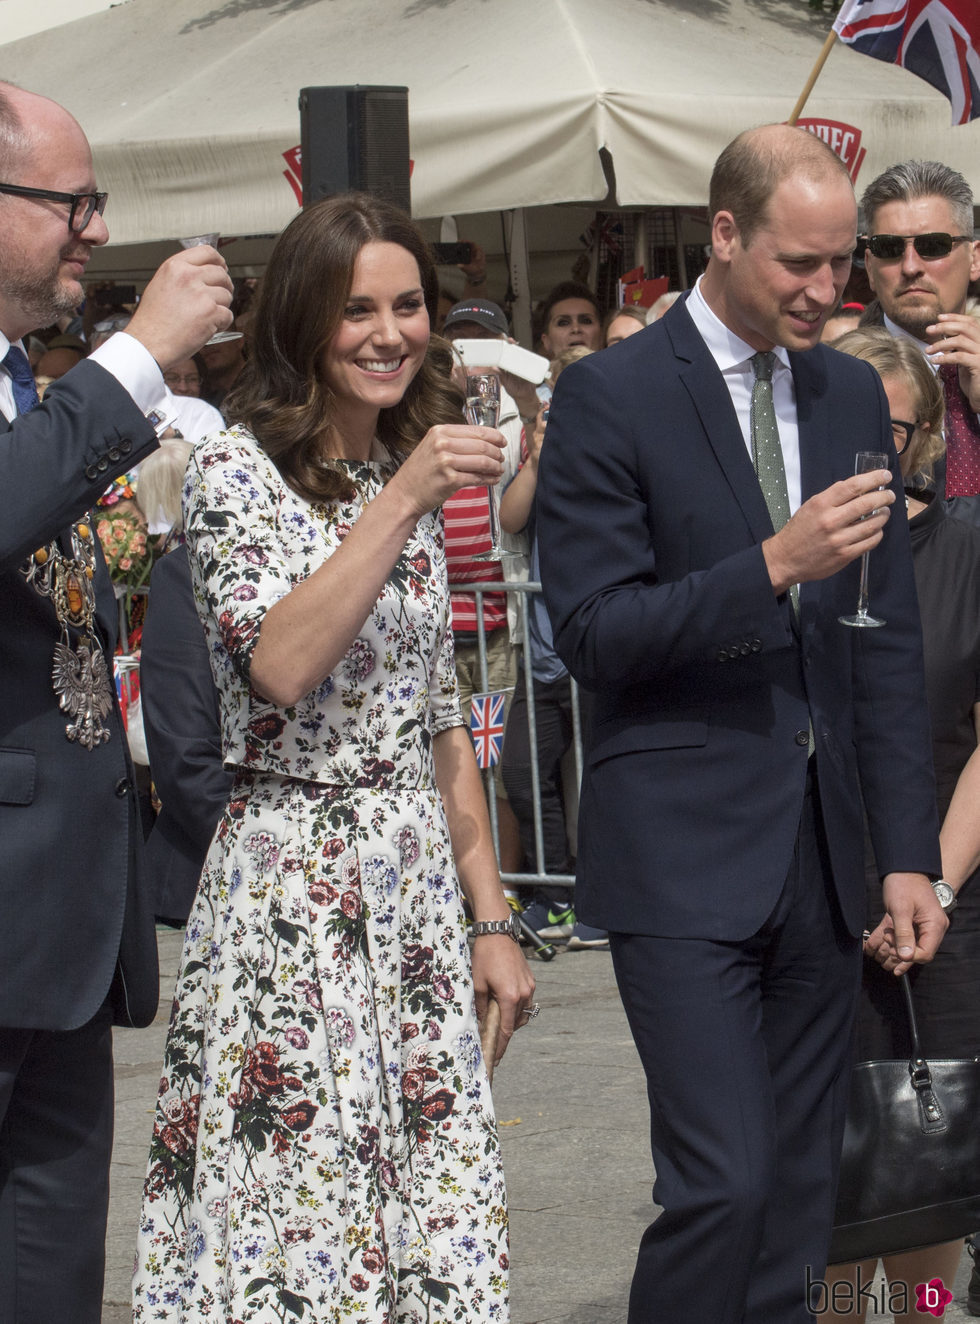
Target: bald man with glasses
[
  {"x": 921, "y": 256},
  {"x": 77, "y": 946}
]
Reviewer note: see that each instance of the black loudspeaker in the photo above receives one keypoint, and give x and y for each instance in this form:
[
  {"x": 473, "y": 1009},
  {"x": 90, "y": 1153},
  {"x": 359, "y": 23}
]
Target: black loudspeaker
[{"x": 355, "y": 138}]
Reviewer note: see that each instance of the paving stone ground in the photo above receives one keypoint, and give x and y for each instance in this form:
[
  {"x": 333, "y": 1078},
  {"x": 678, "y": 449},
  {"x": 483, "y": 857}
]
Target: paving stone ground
[{"x": 571, "y": 1103}]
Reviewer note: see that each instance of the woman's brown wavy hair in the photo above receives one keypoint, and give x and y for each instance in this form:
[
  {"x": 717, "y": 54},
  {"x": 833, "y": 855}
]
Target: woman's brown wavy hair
[{"x": 281, "y": 395}]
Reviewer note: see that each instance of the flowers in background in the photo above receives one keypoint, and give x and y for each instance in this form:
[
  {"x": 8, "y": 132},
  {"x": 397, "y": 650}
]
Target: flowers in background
[{"x": 125, "y": 547}]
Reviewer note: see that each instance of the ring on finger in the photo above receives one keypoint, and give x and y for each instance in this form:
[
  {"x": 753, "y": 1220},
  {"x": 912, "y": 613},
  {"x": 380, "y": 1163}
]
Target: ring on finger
[{"x": 531, "y": 1011}]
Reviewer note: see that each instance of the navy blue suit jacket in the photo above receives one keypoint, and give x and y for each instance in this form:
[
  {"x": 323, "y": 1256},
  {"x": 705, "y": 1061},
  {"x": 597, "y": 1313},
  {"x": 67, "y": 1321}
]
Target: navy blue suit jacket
[
  {"x": 182, "y": 720},
  {"x": 73, "y": 915},
  {"x": 650, "y": 525}
]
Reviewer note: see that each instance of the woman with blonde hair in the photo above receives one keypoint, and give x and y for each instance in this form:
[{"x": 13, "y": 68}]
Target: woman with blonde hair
[
  {"x": 946, "y": 559},
  {"x": 623, "y": 322}
]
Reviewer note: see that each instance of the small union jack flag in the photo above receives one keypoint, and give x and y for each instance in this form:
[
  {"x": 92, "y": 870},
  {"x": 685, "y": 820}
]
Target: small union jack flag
[{"x": 487, "y": 728}]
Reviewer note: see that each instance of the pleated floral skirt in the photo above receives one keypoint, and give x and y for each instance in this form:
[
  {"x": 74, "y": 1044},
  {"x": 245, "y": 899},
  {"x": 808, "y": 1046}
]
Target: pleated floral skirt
[{"x": 324, "y": 1147}]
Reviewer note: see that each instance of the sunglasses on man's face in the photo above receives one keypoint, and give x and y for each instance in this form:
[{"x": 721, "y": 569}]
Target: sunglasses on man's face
[{"x": 935, "y": 244}]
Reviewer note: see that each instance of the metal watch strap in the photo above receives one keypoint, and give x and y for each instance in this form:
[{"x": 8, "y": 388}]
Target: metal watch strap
[{"x": 510, "y": 926}]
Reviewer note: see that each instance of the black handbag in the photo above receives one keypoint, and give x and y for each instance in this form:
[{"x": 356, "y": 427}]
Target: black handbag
[{"x": 910, "y": 1167}]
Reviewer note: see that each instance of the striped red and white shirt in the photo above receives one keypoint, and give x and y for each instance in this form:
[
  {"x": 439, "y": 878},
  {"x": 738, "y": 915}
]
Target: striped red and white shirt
[{"x": 468, "y": 533}]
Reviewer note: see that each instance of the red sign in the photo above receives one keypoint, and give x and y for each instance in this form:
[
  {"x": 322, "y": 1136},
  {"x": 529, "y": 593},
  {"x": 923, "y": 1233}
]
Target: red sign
[
  {"x": 294, "y": 170},
  {"x": 844, "y": 140}
]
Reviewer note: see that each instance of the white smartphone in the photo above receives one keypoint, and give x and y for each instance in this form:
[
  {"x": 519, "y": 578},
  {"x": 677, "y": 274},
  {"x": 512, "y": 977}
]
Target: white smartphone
[
  {"x": 502, "y": 354},
  {"x": 533, "y": 368},
  {"x": 479, "y": 353}
]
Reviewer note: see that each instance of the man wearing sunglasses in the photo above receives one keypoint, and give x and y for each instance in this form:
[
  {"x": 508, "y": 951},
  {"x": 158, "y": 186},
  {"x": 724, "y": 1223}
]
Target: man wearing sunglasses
[
  {"x": 77, "y": 947},
  {"x": 921, "y": 256}
]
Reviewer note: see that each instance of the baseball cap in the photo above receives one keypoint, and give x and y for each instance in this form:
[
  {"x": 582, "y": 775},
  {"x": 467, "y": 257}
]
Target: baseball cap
[{"x": 481, "y": 311}]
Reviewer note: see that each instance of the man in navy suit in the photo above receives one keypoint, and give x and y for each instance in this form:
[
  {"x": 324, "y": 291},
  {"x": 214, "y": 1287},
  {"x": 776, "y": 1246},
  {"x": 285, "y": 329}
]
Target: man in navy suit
[
  {"x": 77, "y": 946},
  {"x": 724, "y": 857}
]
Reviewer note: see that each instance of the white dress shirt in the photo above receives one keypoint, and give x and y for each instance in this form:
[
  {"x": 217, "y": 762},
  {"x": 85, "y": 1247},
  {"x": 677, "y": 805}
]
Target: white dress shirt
[{"x": 734, "y": 359}]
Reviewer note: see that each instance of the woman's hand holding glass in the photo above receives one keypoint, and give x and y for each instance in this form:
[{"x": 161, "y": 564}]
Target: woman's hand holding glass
[{"x": 449, "y": 457}]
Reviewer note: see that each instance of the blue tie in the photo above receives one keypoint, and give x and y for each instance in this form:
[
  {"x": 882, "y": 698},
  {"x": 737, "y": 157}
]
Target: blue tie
[{"x": 22, "y": 380}]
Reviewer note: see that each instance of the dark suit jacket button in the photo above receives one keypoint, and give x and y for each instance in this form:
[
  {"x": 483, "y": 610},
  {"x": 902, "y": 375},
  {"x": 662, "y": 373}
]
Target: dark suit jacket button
[
  {"x": 122, "y": 787},
  {"x": 734, "y": 652},
  {"x": 91, "y": 473},
  {"x": 745, "y": 650},
  {"x": 756, "y": 645},
  {"x": 126, "y": 446},
  {"x": 114, "y": 455},
  {"x": 102, "y": 465},
  {"x": 722, "y": 654},
  {"x": 802, "y": 737}
]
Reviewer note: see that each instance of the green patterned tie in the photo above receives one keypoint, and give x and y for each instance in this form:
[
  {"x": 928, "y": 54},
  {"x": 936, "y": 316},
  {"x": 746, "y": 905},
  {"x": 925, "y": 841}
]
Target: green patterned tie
[{"x": 767, "y": 454}]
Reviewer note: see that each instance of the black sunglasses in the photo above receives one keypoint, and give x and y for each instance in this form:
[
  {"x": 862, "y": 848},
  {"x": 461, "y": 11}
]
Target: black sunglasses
[
  {"x": 891, "y": 247},
  {"x": 902, "y": 433},
  {"x": 83, "y": 205}
]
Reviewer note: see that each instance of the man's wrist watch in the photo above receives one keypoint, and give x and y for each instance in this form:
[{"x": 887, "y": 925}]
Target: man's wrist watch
[
  {"x": 511, "y": 926},
  {"x": 944, "y": 895}
]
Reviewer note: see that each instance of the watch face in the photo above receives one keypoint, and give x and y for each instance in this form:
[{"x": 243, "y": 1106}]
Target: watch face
[{"x": 945, "y": 895}]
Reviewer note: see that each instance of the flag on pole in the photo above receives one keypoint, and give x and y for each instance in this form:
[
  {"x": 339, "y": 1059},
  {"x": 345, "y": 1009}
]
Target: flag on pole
[
  {"x": 938, "y": 40},
  {"x": 487, "y": 728}
]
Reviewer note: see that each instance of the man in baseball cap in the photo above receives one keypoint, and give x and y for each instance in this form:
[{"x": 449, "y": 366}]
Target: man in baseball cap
[{"x": 476, "y": 319}]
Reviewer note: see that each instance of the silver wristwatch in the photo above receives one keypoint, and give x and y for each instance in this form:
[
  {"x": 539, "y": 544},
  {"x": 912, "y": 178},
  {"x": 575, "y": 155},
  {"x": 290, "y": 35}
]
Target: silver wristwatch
[
  {"x": 944, "y": 895},
  {"x": 511, "y": 926}
]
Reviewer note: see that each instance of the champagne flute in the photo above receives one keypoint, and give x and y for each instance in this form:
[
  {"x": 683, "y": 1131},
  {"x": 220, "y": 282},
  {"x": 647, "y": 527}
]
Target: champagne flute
[
  {"x": 483, "y": 410},
  {"x": 865, "y": 462},
  {"x": 211, "y": 241}
]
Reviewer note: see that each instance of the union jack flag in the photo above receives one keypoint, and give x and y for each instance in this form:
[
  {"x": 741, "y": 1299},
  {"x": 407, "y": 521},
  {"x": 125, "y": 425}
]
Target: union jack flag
[
  {"x": 938, "y": 40},
  {"x": 487, "y": 728}
]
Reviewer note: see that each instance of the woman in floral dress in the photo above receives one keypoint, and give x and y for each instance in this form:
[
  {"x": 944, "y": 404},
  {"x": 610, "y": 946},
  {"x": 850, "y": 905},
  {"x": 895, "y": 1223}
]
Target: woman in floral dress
[{"x": 324, "y": 1147}]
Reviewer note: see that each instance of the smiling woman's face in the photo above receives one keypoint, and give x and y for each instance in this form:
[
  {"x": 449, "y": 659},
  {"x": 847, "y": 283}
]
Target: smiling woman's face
[{"x": 383, "y": 338}]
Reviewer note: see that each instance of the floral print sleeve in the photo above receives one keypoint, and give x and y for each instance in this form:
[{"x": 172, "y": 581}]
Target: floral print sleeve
[{"x": 232, "y": 519}]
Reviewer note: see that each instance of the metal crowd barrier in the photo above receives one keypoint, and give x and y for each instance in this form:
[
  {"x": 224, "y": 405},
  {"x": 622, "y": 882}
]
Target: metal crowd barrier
[{"x": 538, "y": 877}]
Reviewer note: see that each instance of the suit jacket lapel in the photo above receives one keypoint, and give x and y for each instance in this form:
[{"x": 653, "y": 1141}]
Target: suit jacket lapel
[
  {"x": 816, "y": 439},
  {"x": 816, "y": 446},
  {"x": 710, "y": 398}
]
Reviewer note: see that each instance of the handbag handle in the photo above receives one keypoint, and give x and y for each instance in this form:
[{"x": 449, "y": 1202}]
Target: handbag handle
[
  {"x": 930, "y": 1111},
  {"x": 906, "y": 984}
]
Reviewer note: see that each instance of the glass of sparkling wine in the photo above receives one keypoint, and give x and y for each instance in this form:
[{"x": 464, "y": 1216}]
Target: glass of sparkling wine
[
  {"x": 211, "y": 240},
  {"x": 483, "y": 410},
  {"x": 865, "y": 462}
]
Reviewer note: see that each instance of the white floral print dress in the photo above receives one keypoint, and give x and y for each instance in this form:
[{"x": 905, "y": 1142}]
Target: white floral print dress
[{"x": 324, "y": 1147}]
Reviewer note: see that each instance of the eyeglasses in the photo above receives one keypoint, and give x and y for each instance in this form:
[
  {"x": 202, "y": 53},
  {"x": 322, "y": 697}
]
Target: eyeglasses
[
  {"x": 182, "y": 379},
  {"x": 936, "y": 244},
  {"x": 902, "y": 432},
  {"x": 83, "y": 205}
]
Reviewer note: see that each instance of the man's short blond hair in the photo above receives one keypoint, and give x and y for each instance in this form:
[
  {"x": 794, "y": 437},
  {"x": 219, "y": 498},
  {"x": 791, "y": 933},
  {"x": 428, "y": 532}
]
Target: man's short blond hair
[{"x": 754, "y": 164}]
